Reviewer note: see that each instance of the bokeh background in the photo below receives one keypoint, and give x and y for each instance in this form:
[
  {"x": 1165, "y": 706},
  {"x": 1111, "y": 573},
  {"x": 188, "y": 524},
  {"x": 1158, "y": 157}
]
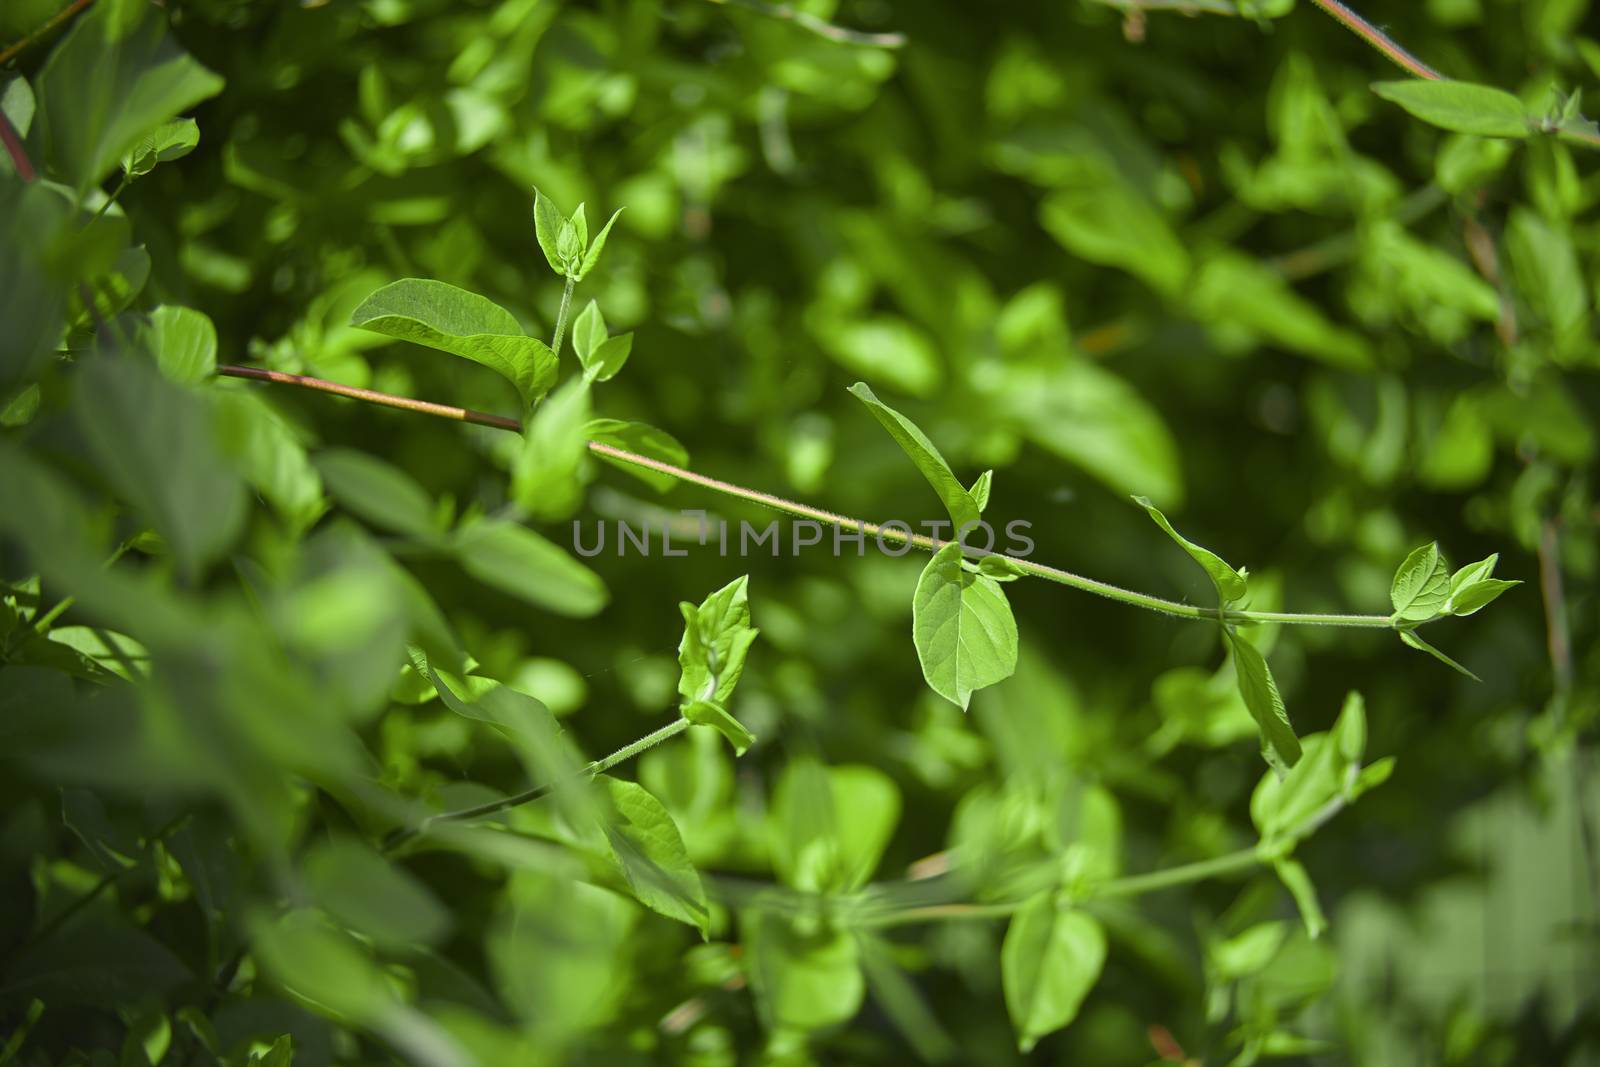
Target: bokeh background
[{"x": 1102, "y": 248}]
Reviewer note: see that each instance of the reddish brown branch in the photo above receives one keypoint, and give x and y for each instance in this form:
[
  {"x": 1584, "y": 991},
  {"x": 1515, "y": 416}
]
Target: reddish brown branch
[
  {"x": 18, "y": 154},
  {"x": 14, "y": 50},
  {"x": 1378, "y": 39}
]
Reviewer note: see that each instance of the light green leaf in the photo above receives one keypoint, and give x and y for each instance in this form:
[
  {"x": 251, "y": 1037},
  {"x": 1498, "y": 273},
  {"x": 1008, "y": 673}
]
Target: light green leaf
[
  {"x": 650, "y": 857},
  {"x": 643, "y": 439},
  {"x": 957, "y": 501},
  {"x": 1247, "y": 952},
  {"x": 828, "y": 826},
  {"x": 588, "y": 332},
  {"x": 1110, "y": 223},
  {"x": 99, "y": 95},
  {"x": 1421, "y": 585},
  {"x": 1229, "y": 582},
  {"x": 547, "y": 228},
  {"x": 519, "y": 562},
  {"x": 379, "y": 492},
  {"x": 449, "y": 319},
  {"x": 803, "y": 980},
  {"x": 1051, "y": 958},
  {"x": 155, "y": 443},
  {"x": 1410, "y": 638},
  {"x": 268, "y": 452},
  {"x": 592, "y": 256},
  {"x": 1286, "y": 804},
  {"x": 1001, "y": 568},
  {"x": 580, "y": 227},
  {"x": 1460, "y": 106},
  {"x": 1261, "y": 697},
  {"x": 980, "y": 490},
  {"x": 964, "y": 631},
  {"x": 308, "y": 955},
  {"x": 1473, "y": 573},
  {"x": 547, "y": 474},
  {"x": 369, "y": 894},
  {"x": 707, "y": 713},
  {"x": 609, "y": 358},
  {"x": 184, "y": 343},
  {"x": 716, "y": 641},
  {"x": 167, "y": 142},
  {"x": 1479, "y": 595},
  {"x": 1294, "y": 877}
]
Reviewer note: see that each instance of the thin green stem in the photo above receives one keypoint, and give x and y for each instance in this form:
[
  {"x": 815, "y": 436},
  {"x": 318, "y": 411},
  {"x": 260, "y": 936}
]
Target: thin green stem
[
  {"x": 494, "y": 807},
  {"x": 112, "y": 199},
  {"x": 561, "y": 315},
  {"x": 1133, "y": 885},
  {"x": 890, "y": 534}
]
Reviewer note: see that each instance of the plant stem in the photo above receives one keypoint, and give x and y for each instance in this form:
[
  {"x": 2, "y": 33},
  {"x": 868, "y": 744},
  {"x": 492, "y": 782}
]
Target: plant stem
[
  {"x": 1133, "y": 885},
  {"x": 494, "y": 807},
  {"x": 561, "y": 315},
  {"x": 14, "y": 50},
  {"x": 112, "y": 199},
  {"x": 1378, "y": 39},
  {"x": 884, "y": 534}
]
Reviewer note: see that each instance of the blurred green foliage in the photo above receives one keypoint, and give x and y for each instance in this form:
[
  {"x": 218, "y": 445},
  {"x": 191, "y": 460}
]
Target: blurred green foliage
[{"x": 255, "y": 640}]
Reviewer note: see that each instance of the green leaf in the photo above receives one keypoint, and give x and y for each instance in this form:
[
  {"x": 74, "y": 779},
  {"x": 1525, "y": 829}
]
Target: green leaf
[
  {"x": 184, "y": 343},
  {"x": 369, "y": 894},
  {"x": 1107, "y": 221},
  {"x": 1473, "y": 573},
  {"x": 154, "y": 443},
  {"x": 1410, "y": 638},
  {"x": 1460, "y": 106},
  {"x": 980, "y": 490},
  {"x": 828, "y": 826},
  {"x": 592, "y": 256},
  {"x": 519, "y": 562},
  {"x": 1247, "y": 952},
  {"x": 964, "y": 631},
  {"x": 580, "y": 227},
  {"x": 1286, "y": 804},
  {"x": 958, "y": 502},
  {"x": 1229, "y": 582},
  {"x": 379, "y": 492},
  {"x": 449, "y": 319},
  {"x": 267, "y": 450},
  {"x": 167, "y": 142},
  {"x": 1294, "y": 877},
  {"x": 588, "y": 332},
  {"x": 547, "y": 474},
  {"x": 717, "y": 636},
  {"x": 1478, "y": 595},
  {"x": 307, "y": 955},
  {"x": 643, "y": 439},
  {"x": 1421, "y": 585},
  {"x": 1261, "y": 697},
  {"x": 803, "y": 979},
  {"x": 649, "y": 854},
  {"x": 1001, "y": 568},
  {"x": 547, "y": 223},
  {"x": 706, "y": 713},
  {"x": 98, "y": 95},
  {"x": 1051, "y": 958},
  {"x": 279, "y": 1054}
]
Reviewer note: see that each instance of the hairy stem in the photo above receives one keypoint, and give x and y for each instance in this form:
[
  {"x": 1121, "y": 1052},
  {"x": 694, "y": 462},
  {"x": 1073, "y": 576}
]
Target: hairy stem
[
  {"x": 14, "y": 50},
  {"x": 894, "y": 533},
  {"x": 494, "y": 807},
  {"x": 1378, "y": 39},
  {"x": 561, "y": 315}
]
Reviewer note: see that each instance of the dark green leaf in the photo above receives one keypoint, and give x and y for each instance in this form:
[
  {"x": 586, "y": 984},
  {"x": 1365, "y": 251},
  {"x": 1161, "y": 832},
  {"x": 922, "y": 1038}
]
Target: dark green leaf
[
  {"x": 517, "y": 561},
  {"x": 378, "y": 492}
]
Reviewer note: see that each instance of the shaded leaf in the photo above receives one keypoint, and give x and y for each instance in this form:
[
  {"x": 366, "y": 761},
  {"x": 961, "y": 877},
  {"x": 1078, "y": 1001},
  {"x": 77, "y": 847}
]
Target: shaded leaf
[{"x": 1051, "y": 958}]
